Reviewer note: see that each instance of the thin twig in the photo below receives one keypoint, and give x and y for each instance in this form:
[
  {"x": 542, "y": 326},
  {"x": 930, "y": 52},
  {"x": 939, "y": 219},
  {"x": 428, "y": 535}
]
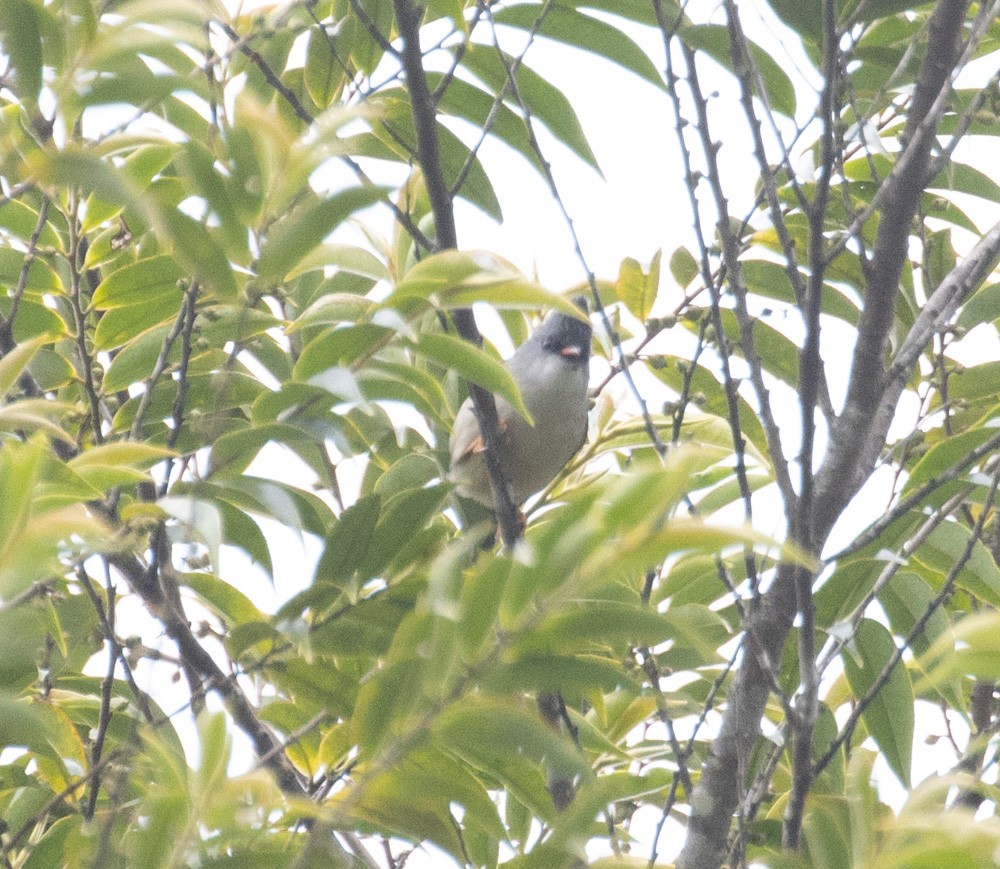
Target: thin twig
[{"x": 546, "y": 170}]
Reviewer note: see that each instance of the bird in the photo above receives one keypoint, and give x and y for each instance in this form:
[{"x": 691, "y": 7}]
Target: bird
[{"x": 552, "y": 370}]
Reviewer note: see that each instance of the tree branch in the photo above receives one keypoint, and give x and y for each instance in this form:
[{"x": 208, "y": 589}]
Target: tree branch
[
  {"x": 194, "y": 655},
  {"x": 422, "y": 105},
  {"x": 918, "y": 626},
  {"x": 936, "y": 312},
  {"x": 810, "y": 369},
  {"x": 854, "y": 434}
]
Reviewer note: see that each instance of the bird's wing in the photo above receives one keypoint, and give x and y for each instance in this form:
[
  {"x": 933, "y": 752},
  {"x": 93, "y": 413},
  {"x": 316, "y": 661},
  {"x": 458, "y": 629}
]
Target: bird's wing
[{"x": 467, "y": 440}]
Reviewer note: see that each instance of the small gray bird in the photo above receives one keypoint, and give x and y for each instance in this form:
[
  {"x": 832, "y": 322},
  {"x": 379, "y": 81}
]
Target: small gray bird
[{"x": 552, "y": 369}]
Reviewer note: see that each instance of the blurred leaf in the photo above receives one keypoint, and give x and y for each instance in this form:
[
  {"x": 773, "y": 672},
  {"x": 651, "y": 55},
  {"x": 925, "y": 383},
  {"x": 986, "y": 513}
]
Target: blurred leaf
[
  {"x": 349, "y": 540},
  {"x": 201, "y": 518},
  {"x": 295, "y": 236},
  {"x": 456, "y": 279},
  {"x": 907, "y": 600},
  {"x": 971, "y": 648},
  {"x": 474, "y": 365},
  {"x": 12, "y": 364},
  {"x": 21, "y": 219},
  {"x": 982, "y": 307},
  {"x": 22, "y": 44}
]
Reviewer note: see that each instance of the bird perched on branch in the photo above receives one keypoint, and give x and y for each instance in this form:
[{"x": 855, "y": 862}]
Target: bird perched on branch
[{"x": 552, "y": 370}]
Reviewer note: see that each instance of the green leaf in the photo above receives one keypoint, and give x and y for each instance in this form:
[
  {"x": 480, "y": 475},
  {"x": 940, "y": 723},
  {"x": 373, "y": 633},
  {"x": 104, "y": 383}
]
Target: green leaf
[
  {"x": 974, "y": 382},
  {"x": 712, "y": 399},
  {"x": 486, "y": 732},
  {"x": 384, "y": 701},
  {"x": 939, "y": 258},
  {"x": 130, "y": 453},
  {"x": 544, "y": 672},
  {"x": 51, "y": 370},
  {"x": 637, "y": 288},
  {"x": 120, "y": 325},
  {"x": 139, "y": 168},
  {"x": 40, "y": 276},
  {"x": 201, "y": 518},
  {"x": 473, "y": 104},
  {"x": 413, "y": 801},
  {"x": 683, "y": 266},
  {"x": 807, "y": 19},
  {"x": 228, "y": 602},
  {"x": 349, "y": 540},
  {"x": 943, "y": 456},
  {"x": 474, "y": 365},
  {"x": 324, "y": 75},
  {"x": 345, "y": 258},
  {"x": 135, "y": 361},
  {"x": 412, "y": 471},
  {"x": 962, "y": 178},
  {"x": 235, "y": 450},
  {"x": 197, "y": 250},
  {"x": 198, "y": 163},
  {"x": 944, "y": 549},
  {"x": 544, "y": 101},
  {"x": 22, "y": 43},
  {"x": 12, "y": 364},
  {"x": 75, "y": 168},
  {"x": 51, "y": 848},
  {"x": 889, "y": 715},
  {"x": 402, "y": 517},
  {"x": 906, "y": 600},
  {"x": 333, "y": 309},
  {"x": 18, "y": 471},
  {"x": 135, "y": 283},
  {"x": 21, "y": 220},
  {"x": 592, "y": 35},
  {"x": 982, "y": 307},
  {"x": 599, "y": 623},
  {"x": 295, "y": 236},
  {"x": 456, "y": 279},
  {"x": 476, "y": 186},
  {"x": 971, "y": 648},
  {"x": 770, "y": 280},
  {"x": 33, "y": 319},
  {"x": 341, "y": 347},
  {"x": 778, "y": 354},
  {"x": 241, "y": 531}
]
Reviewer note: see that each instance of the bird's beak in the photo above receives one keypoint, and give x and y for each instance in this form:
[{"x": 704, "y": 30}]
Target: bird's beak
[{"x": 571, "y": 352}]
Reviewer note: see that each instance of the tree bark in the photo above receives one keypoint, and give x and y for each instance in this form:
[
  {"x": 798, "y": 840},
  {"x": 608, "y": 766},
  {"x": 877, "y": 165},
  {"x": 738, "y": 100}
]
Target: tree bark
[{"x": 856, "y": 441}]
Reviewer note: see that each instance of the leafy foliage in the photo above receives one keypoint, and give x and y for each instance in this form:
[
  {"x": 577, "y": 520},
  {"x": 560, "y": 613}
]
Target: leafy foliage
[{"x": 230, "y": 310}]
